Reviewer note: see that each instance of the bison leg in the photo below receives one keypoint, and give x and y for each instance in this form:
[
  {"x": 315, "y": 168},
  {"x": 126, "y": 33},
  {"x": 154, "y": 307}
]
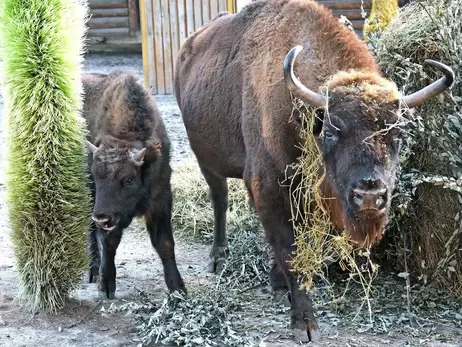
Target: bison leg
[
  {"x": 303, "y": 321},
  {"x": 107, "y": 245},
  {"x": 219, "y": 196},
  {"x": 160, "y": 231},
  {"x": 280, "y": 234},
  {"x": 94, "y": 255},
  {"x": 279, "y": 284}
]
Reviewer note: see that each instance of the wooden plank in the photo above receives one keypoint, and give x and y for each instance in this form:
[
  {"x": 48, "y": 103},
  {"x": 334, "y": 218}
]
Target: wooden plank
[
  {"x": 357, "y": 23},
  {"x": 133, "y": 17},
  {"x": 167, "y": 46},
  {"x": 108, "y": 32},
  {"x": 108, "y": 4},
  {"x": 147, "y": 29},
  {"x": 174, "y": 34},
  {"x": 214, "y": 6},
  {"x": 205, "y": 11},
  {"x": 158, "y": 45},
  {"x": 190, "y": 16},
  {"x": 349, "y": 13},
  {"x": 197, "y": 14},
  {"x": 346, "y": 4},
  {"x": 108, "y": 22},
  {"x": 182, "y": 25},
  {"x": 221, "y": 5},
  {"x": 109, "y": 12}
]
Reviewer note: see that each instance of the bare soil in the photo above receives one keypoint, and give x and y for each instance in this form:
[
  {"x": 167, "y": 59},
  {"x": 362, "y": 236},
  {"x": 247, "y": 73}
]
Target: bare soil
[{"x": 86, "y": 321}]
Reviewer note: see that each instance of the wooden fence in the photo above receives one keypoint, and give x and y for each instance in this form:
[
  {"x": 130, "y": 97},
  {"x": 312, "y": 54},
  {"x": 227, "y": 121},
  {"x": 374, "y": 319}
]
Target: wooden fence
[{"x": 165, "y": 24}]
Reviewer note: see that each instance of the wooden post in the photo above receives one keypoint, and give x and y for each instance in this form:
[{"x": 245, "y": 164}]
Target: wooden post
[{"x": 133, "y": 17}]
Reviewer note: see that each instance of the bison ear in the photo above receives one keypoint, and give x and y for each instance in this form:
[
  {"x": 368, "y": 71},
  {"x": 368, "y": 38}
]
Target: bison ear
[
  {"x": 138, "y": 156},
  {"x": 91, "y": 147}
]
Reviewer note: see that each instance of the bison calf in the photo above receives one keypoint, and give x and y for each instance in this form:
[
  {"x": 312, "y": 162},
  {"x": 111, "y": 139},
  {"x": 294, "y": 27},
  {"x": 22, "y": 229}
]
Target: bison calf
[{"x": 129, "y": 163}]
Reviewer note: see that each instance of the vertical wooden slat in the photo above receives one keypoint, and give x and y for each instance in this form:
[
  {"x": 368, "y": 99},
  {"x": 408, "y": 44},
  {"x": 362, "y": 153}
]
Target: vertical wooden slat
[
  {"x": 167, "y": 46},
  {"x": 174, "y": 34},
  {"x": 197, "y": 14},
  {"x": 213, "y": 8},
  {"x": 133, "y": 17},
  {"x": 222, "y": 5},
  {"x": 158, "y": 46},
  {"x": 190, "y": 16},
  {"x": 149, "y": 67},
  {"x": 182, "y": 26},
  {"x": 205, "y": 11}
]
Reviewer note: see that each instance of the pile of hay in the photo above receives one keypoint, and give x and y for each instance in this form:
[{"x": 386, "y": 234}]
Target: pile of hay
[
  {"x": 48, "y": 198},
  {"x": 192, "y": 210},
  {"x": 428, "y": 205}
]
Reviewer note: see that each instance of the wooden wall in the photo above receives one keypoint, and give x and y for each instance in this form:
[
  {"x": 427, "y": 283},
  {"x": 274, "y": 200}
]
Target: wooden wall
[
  {"x": 165, "y": 25},
  {"x": 114, "y": 20}
]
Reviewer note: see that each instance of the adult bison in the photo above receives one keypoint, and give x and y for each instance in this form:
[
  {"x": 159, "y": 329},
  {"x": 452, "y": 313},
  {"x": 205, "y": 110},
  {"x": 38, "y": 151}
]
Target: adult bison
[
  {"x": 233, "y": 83},
  {"x": 129, "y": 162}
]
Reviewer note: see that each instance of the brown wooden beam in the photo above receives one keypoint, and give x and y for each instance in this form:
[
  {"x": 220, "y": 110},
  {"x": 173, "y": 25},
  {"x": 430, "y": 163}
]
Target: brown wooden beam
[
  {"x": 108, "y": 4},
  {"x": 134, "y": 17}
]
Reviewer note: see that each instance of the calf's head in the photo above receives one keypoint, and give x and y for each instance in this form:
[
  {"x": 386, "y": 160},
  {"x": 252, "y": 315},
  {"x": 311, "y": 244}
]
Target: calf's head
[
  {"x": 117, "y": 170},
  {"x": 359, "y": 127}
]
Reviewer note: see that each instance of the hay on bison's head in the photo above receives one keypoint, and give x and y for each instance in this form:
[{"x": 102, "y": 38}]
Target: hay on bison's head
[
  {"x": 192, "y": 213},
  {"x": 318, "y": 243},
  {"x": 431, "y": 167}
]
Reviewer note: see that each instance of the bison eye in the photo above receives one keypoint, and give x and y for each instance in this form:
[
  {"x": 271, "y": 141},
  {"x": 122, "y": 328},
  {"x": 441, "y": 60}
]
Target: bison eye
[
  {"x": 329, "y": 136},
  {"x": 129, "y": 181}
]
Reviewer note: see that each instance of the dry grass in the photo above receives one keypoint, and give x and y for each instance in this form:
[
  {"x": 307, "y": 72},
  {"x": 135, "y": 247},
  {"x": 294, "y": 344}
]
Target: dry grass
[
  {"x": 318, "y": 243},
  {"x": 192, "y": 213}
]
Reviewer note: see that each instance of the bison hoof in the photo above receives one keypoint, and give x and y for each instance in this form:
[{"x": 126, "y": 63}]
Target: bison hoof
[
  {"x": 310, "y": 333},
  {"x": 107, "y": 289},
  {"x": 217, "y": 259},
  {"x": 93, "y": 274}
]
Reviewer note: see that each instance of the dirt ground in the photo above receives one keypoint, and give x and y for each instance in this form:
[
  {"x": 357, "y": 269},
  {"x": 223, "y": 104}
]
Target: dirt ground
[{"x": 86, "y": 321}]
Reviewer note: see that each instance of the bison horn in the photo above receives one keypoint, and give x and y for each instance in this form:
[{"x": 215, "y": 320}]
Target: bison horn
[
  {"x": 91, "y": 147},
  {"x": 434, "y": 89},
  {"x": 139, "y": 156},
  {"x": 295, "y": 86}
]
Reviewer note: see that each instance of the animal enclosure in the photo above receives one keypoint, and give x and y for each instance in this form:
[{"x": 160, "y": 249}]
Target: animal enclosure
[{"x": 165, "y": 24}]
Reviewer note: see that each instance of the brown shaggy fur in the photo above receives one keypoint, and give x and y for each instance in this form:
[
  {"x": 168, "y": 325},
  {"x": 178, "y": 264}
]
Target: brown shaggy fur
[
  {"x": 236, "y": 107},
  {"x": 123, "y": 119}
]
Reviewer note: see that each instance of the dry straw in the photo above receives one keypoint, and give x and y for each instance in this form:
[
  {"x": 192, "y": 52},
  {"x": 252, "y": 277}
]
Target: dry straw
[
  {"x": 192, "y": 211},
  {"x": 318, "y": 243},
  {"x": 428, "y": 202}
]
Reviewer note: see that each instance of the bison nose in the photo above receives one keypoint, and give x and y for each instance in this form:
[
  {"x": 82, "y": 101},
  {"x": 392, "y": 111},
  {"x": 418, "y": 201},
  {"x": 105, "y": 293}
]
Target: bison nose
[
  {"x": 369, "y": 195},
  {"x": 101, "y": 220}
]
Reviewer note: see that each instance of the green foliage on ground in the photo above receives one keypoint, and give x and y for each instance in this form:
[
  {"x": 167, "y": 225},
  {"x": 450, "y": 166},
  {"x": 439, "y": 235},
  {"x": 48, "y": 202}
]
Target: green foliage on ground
[{"x": 49, "y": 203}]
